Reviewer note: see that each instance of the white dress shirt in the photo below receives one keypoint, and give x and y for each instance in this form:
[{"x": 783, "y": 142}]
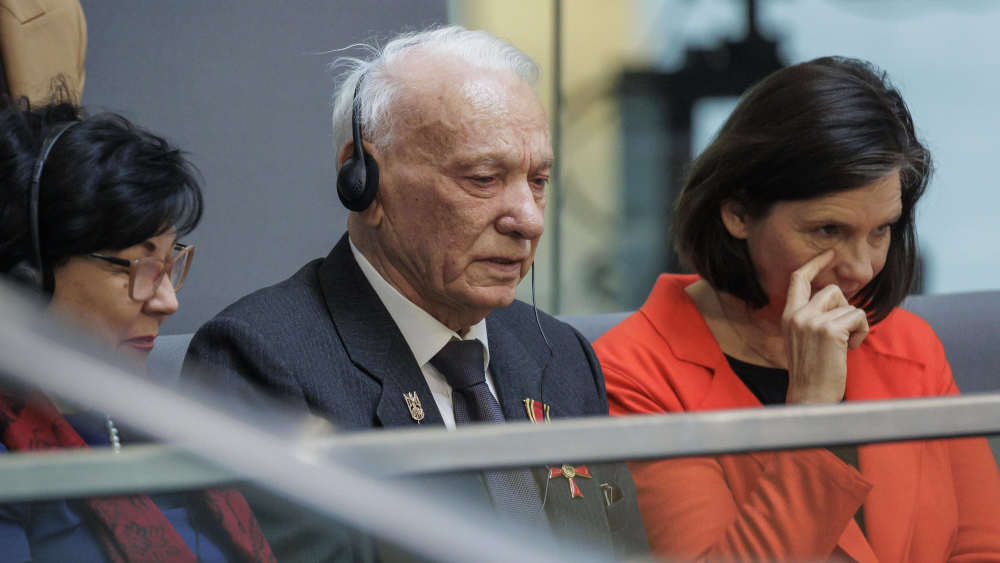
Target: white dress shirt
[{"x": 425, "y": 336}]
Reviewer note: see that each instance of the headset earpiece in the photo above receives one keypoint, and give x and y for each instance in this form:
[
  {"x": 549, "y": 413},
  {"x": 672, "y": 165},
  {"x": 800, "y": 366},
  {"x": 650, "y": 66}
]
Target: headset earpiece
[
  {"x": 26, "y": 274},
  {"x": 33, "y": 273},
  {"x": 357, "y": 180}
]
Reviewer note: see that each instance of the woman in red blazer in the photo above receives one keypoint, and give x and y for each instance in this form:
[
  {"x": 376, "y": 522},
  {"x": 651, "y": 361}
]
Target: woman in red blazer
[{"x": 799, "y": 221}]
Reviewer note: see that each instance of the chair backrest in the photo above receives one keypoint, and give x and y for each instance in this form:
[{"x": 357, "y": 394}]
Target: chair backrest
[
  {"x": 593, "y": 326},
  {"x": 968, "y": 325}
]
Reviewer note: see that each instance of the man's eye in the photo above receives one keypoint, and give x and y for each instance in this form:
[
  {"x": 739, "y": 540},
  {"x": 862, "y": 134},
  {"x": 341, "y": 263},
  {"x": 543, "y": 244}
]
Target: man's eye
[
  {"x": 883, "y": 230},
  {"x": 482, "y": 179},
  {"x": 828, "y": 230},
  {"x": 540, "y": 183}
]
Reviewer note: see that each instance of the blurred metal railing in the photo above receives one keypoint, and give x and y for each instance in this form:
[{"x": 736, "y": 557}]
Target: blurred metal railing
[{"x": 387, "y": 453}]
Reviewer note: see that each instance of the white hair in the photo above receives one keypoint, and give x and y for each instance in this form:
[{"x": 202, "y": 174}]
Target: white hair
[{"x": 477, "y": 48}]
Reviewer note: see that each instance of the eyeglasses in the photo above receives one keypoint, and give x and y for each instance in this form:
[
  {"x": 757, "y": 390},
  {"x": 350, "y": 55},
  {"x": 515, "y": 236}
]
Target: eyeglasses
[{"x": 146, "y": 274}]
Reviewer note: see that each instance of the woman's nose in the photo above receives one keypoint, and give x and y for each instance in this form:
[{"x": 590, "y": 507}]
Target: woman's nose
[
  {"x": 164, "y": 300},
  {"x": 854, "y": 265}
]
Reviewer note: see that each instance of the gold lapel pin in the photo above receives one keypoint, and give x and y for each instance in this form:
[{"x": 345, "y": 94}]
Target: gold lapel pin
[{"x": 413, "y": 403}]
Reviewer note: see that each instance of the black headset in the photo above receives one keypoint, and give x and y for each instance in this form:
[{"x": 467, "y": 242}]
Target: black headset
[
  {"x": 33, "y": 273},
  {"x": 357, "y": 180}
]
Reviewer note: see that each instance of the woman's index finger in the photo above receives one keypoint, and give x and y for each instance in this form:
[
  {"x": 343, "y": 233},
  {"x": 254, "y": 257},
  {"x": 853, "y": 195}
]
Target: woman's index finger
[{"x": 800, "y": 284}]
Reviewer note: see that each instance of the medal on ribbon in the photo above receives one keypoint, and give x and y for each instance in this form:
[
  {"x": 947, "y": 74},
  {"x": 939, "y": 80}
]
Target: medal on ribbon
[
  {"x": 539, "y": 412},
  {"x": 570, "y": 472}
]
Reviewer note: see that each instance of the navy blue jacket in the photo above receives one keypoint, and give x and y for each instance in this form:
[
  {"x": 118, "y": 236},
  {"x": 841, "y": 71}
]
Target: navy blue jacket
[{"x": 323, "y": 340}]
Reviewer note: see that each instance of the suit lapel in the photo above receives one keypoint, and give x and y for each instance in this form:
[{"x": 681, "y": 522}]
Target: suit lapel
[
  {"x": 517, "y": 373},
  {"x": 372, "y": 339}
]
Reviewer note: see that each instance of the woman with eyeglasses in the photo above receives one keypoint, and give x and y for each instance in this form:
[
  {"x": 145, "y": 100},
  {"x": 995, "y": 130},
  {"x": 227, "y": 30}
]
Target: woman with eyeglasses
[{"x": 91, "y": 210}]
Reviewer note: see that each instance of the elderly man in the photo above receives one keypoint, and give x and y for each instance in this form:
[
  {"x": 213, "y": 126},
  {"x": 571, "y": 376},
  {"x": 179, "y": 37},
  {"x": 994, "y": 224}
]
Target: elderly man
[{"x": 412, "y": 318}]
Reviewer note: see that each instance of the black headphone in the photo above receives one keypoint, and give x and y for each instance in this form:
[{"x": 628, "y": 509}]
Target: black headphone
[
  {"x": 357, "y": 180},
  {"x": 33, "y": 273}
]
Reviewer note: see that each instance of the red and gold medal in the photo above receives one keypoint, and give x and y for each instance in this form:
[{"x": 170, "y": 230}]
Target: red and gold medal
[
  {"x": 570, "y": 472},
  {"x": 539, "y": 412}
]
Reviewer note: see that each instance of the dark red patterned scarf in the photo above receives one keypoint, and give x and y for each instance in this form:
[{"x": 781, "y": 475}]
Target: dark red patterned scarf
[{"x": 130, "y": 528}]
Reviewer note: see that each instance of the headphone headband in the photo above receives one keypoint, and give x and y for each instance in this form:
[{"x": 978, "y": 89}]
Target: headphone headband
[
  {"x": 359, "y": 151},
  {"x": 34, "y": 192}
]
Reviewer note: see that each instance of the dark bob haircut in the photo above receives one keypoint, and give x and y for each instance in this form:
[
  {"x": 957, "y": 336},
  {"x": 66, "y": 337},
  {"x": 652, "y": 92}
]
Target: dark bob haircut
[
  {"x": 106, "y": 185},
  {"x": 808, "y": 130}
]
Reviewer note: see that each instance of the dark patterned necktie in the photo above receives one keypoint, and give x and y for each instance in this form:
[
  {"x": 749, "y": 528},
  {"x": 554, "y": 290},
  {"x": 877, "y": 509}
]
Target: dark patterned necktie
[{"x": 514, "y": 492}]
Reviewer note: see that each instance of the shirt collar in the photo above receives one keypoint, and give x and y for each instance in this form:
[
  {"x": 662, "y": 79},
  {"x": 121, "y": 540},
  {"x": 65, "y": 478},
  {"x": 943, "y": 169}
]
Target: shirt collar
[{"x": 424, "y": 334}]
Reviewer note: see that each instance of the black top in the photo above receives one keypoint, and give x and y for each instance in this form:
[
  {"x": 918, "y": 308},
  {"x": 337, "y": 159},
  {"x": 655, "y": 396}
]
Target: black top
[{"x": 770, "y": 386}]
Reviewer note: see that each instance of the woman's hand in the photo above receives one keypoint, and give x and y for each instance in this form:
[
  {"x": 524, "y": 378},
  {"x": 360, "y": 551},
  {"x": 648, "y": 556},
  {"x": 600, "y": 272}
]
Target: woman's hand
[{"x": 819, "y": 329}]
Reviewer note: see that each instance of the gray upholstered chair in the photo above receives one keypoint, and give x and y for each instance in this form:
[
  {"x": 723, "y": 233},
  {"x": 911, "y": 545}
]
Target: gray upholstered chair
[{"x": 967, "y": 323}]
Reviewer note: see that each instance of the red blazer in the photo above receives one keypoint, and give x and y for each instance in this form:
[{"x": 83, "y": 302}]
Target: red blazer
[{"x": 934, "y": 500}]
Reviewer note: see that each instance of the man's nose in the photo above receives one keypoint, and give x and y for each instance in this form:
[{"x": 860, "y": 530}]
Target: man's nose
[{"x": 524, "y": 212}]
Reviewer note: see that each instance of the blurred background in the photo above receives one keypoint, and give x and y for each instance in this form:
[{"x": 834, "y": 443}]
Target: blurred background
[{"x": 636, "y": 88}]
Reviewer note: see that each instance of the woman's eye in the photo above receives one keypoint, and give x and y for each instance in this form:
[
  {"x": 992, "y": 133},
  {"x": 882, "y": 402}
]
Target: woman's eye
[{"x": 883, "y": 230}]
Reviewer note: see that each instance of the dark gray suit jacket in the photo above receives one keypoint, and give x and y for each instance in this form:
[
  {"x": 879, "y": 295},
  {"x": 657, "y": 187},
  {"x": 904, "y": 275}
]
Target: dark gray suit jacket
[{"x": 323, "y": 340}]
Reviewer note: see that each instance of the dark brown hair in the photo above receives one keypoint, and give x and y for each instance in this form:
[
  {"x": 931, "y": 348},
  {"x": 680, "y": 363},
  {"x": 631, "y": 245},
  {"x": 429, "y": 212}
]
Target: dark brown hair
[{"x": 808, "y": 130}]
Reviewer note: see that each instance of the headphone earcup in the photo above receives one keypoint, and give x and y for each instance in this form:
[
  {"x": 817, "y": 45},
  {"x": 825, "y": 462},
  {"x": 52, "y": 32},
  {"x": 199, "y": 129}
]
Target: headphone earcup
[
  {"x": 26, "y": 274},
  {"x": 357, "y": 183}
]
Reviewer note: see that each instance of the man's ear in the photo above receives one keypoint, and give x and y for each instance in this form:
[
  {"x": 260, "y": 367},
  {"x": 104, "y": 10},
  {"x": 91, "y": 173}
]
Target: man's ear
[
  {"x": 735, "y": 218},
  {"x": 375, "y": 213},
  {"x": 347, "y": 151}
]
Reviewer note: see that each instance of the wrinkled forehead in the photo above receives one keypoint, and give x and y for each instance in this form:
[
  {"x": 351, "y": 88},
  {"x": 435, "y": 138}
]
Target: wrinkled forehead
[{"x": 445, "y": 100}]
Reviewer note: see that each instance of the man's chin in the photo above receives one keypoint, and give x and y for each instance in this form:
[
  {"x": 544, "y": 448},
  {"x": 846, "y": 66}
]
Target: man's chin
[{"x": 488, "y": 299}]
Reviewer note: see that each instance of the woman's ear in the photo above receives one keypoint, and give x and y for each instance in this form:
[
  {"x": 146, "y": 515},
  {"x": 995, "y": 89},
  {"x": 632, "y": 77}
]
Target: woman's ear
[{"x": 735, "y": 218}]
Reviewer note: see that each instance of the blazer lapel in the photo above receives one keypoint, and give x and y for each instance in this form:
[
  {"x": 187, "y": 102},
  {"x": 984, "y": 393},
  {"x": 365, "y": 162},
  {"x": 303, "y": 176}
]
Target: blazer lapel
[
  {"x": 372, "y": 339},
  {"x": 517, "y": 374}
]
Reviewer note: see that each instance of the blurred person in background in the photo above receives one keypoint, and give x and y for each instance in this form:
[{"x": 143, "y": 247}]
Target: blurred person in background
[
  {"x": 42, "y": 41},
  {"x": 91, "y": 210},
  {"x": 799, "y": 221}
]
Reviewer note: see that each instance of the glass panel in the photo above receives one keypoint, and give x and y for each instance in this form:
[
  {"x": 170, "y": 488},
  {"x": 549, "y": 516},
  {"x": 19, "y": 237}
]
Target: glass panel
[{"x": 637, "y": 79}]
